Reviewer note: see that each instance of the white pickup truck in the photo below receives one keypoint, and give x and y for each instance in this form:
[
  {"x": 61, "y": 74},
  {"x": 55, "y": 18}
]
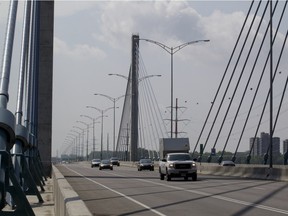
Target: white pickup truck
[{"x": 177, "y": 165}]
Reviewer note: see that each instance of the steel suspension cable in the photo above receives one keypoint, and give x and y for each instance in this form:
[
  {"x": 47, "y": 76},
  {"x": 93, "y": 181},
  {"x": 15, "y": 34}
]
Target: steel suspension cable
[
  {"x": 125, "y": 117},
  {"x": 257, "y": 88},
  {"x": 222, "y": 79},
  {"x": 149, "y": 133},
  {"x": 151, "y": 111},
  {"x": 280, "y": 106},
  {"x": 247, "y": 84},
  {"x": 156, "y": 109},
  {"x": 232, "y": 75}
]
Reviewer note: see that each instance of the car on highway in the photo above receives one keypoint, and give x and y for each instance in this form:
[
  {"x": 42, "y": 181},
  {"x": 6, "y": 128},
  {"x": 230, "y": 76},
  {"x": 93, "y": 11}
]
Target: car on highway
[
  {"x": 145, "y": 164},
  {"x": 106, "y": 164},
  {"x": 115, "y": 161},
  {"x": 177, "y": 165},
  {"x": 227, "y": 163},
  {"x": 95, "y": 163}
]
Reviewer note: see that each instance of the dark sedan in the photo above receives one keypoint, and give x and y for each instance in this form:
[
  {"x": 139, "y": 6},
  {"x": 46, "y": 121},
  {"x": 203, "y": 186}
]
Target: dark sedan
[
  {"x": 145, "y": 164},
  {"x": 115, "y": 161},
  {"x": 106, "y": 164}
]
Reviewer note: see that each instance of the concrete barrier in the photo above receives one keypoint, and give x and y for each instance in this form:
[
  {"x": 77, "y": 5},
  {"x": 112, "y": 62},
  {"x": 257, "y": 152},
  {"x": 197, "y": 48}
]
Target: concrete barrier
[
  {"x": 279, "y": 173},
  {"x": 67, "y": 201}
]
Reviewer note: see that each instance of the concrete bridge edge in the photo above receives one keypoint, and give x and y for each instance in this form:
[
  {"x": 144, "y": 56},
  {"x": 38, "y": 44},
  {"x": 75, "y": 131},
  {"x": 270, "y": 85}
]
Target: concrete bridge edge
[{"x": 67, "y": 202}]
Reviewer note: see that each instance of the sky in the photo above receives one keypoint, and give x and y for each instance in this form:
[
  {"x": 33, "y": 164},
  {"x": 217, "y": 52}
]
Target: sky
[{"x": 93, "y": 39}]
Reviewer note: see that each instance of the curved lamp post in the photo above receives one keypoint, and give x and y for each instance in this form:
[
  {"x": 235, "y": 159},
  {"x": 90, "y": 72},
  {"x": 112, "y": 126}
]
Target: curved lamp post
[
  {"x": 172, "y": 51},
  {"x": 93, "y": 120},
  {"x": 114, "y": 100},
  {"x": 102, "y": 116},
  {"x": 77, "y": 142},
  {"x": 87, "y": 137},
  {"x": 72, "y": 140},
  {"x": 81, "y": 148}
]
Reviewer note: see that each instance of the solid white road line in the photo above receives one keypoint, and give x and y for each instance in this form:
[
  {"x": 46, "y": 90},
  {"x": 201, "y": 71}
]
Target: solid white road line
[
  {"x": 121, "y": 194},
  {"x": 222, "y": 198},
  {"x": 282, "y": 211}
]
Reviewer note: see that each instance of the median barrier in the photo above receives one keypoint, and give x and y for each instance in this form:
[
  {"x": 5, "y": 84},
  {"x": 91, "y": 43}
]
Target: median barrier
[
  {"x": 256, "y": 171},
  {"x": 279, "y": 173},
  {"x": 67, "y": 201}
]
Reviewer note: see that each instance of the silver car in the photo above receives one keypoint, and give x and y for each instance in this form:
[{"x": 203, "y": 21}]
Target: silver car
[{"x": 95, "y": 163}]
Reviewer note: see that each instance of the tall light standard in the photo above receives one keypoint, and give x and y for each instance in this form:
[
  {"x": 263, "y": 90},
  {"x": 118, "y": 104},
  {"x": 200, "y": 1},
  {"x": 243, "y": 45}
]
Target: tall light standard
[
  {"x": 74, "y": 140},
  {"x": 102, "y": 116},
  {"x": 93, "y": 120},
  {"x": 81, "y": 148},
  {"x": 114, "y": 100},
  {"x": 87, "y": 138},
  {"x": 172, "y": 51},
  {"x": 76, "y": 146}
]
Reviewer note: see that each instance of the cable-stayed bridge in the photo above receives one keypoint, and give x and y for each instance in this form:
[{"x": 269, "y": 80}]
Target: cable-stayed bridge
[
  {"x": 244, "y": 82},
  {"x": 142, "y": 123}
]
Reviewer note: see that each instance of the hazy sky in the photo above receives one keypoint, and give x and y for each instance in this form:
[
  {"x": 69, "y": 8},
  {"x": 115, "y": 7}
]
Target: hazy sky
[{"x": 93, "y": 39}]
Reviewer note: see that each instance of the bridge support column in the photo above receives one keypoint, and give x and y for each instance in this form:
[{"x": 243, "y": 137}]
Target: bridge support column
[
  {"x": 45, "y": 83},
  {"x": 134, "y": 102}
]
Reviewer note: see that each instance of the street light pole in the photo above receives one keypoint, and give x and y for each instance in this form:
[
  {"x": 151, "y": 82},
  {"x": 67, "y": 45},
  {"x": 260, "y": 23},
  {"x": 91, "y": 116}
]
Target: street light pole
[
  {"x": 93, "y": 121},
  {"x": 172, "y": 51},
  {"x": 81, "y": 148},
  {"x": 74, "y": 140},
  {"x": 114, "y": 100},
  {"x": 102, "y": 116},
  {"x": 87, "y": 138},
  {"x": 77, "y": 141}
]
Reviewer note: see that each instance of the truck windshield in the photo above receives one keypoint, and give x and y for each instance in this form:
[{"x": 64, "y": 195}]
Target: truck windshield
[{"x": 180, "y": 157}]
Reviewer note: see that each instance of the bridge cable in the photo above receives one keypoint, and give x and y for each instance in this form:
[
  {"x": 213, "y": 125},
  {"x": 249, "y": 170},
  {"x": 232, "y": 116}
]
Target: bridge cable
[
  {"x": 221, "y": 103},
  {"x": 222, "y": 79},
  {"x": 257, "y": 88},
  {"x": 232, "y": 75},
  {"x": 152, "y": 111},
  {"x": 262, "y": 113},
  {"x": 248, "y": 81}
]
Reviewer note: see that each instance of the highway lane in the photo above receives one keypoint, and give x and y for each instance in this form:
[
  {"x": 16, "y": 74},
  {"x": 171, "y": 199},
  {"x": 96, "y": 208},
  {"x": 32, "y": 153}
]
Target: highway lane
[{"x": 126, "y": 191}]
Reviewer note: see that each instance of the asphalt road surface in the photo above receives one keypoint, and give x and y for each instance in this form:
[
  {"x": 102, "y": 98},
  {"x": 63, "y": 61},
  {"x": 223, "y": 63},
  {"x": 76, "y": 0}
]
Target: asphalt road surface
[{"x": 126, "y": 191}]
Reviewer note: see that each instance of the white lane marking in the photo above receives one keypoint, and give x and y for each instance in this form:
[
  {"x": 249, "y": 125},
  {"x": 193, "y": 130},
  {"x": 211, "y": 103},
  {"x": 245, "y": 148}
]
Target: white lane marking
[
  {"x": 121, "y": 194},
  {"x": 259, "y": 188},
  {"x": 215, "y": 196}
]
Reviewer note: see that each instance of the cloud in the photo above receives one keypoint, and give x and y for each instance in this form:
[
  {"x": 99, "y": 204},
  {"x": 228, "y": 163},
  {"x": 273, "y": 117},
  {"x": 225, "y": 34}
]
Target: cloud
[
  {"x": 170, "y": 20},
  {"x": 223, "y": 27},
  {"x": 77, "y": 51},
  {"x": 64, "y": 8}
]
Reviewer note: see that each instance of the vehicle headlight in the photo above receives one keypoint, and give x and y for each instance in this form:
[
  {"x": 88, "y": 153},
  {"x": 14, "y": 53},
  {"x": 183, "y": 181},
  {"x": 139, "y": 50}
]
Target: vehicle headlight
[
  {"x": 193, "y": 165},
  {"x": 171, "y": 165}
]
